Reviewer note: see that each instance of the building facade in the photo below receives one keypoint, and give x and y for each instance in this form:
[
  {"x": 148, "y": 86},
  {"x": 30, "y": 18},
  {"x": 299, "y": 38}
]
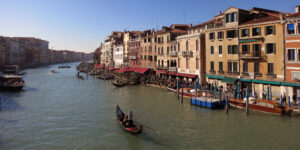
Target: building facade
[{"x": 118, "y": 56}]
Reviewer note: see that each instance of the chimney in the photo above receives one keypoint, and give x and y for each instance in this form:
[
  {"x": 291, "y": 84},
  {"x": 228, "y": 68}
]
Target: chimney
[
  {"x": 220, "y": 12},
  {"x": 297, "y": 8}
]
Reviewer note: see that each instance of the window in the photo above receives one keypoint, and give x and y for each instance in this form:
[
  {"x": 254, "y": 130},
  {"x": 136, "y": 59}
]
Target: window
[
  {"x": 256, "y": 31},
  {"x": 197, "y": 45},
  {"x": 178, "y": 62},
  {"x": 187, "y": 63},
  {"x": 256, "y": 67},
  {"x": 256, "y": 50},
  {"x": 270, "y": 30},
  {"x": 244, "y": 32},
  {"x": 162, "y": 50},
  {"x": 178, "y": 45},
  {"x": 291, "y": 55},
  {"x": 220, "y": 66},
  {"x": 212, "y": 66},
  {"x": 298, "y": 54},
  {"x": 245, "y": 67},
  {"x": 155, "y": 58},
  {"x": 220, "y": 35},
  {"x": 229, "y": 67},
  {"x": 270, "y": 68},
  {"x": 228, "y": 18},
  {"x": 197, "y": 63},
  {"x": 145, "y": 40},
  {"x": 168, "y": 49},
  {"x": 232, "y": 33},
  {"x": 291, "y": 28},
  {"x": 235, "y": 66},
  {"x": 159, "y": 51},
  {"x": 187, "y": 45},
  {"x": 212, "y": 51},
  {"x": 298, "y": 27},
  {"x": 232, "y": 49},
  {"x": 271, "y": 48},
  {"x": 220, "y": 50},
  {"x": 245, "y": 49},
  {"x": 212, "y": 35},
  {"x": 231, "y": 17}
]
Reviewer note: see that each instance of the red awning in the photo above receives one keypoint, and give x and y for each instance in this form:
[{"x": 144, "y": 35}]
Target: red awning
[
  {"x": 161, "y": 71},
  {"x": 141, "y": 70},
  {"x": 122, "y": 71},
  {"x": 186, "y": 75},
  {"x": 100, "y": 66},
  {"x": 113, "y": 69},
  {"x": 172, "y": 73}
]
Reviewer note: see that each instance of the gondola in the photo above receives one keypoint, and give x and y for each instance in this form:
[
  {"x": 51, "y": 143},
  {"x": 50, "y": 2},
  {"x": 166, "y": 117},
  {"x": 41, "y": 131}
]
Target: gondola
[
  {"x": 118, "y": 84},
  {"x": 136, "y": 129}
]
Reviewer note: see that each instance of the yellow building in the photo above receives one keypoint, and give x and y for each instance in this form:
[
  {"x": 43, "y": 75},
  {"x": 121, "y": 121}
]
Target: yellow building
[
  {"x": 247, "y": 48},
  {"x": 191, "y": 53}
]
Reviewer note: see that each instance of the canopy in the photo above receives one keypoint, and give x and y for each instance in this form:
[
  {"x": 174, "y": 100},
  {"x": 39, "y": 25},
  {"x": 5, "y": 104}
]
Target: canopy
[
  {"x": 113, "y": 69},
  {"x": 172, "y": 73},
  {"x": 161, "y": 71},
  {"x": 229, "y": 80},
  {"x": 187, "y": 75}
]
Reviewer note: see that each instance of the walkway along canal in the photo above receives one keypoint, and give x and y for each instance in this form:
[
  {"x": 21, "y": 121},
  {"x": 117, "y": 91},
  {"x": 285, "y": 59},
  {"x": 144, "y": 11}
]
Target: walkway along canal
[{"x": 60, "y": 111}]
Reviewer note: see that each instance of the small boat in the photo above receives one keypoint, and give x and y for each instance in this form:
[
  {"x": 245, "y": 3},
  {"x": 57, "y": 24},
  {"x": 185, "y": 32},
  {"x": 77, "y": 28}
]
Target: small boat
[
  {"x": 262, "y": 106},
  {"x": 188, "y": 92},
  {"x": 53, "y": 71},
  {"x": 11, "y": 82},
  {"x": 171, "y": 89},
  {"x": 21, "y": 73},
  {"x": 136, "y": 129},
  {"x": 119, "y": 84}
]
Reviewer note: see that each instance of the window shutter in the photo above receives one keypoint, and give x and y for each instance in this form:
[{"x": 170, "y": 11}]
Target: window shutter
[
  {"x": 266, "y": 30},
  {"x": 259, "y": 30},
  {"x": 274, "y": 30},
  {"x": 274, "y": 48}
]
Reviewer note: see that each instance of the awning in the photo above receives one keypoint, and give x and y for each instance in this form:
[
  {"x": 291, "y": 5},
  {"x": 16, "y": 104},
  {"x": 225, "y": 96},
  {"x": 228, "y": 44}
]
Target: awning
[
  {"x": 172, "y": 73},
  {"x": 140, "y": 70},
  {"x": 290, "y": 84},
  {"x": 161, "y": 71},
  {"x": 266, "y": 82},
  {"x": 122, "y": 71},
  {"x": 250, "y": 40},
  {"x": 245, "y": 80},
  {"x": 187, "y": 75},
  {"x": 215, "y": 77},
  {"x": 229, "y": 80},
  {"x": 113, "y": 69}
]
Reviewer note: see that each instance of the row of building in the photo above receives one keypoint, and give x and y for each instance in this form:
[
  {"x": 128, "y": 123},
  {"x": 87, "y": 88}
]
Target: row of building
[
  {"x": 31, "y": 52},
  {"x": 258, "y": 49}
]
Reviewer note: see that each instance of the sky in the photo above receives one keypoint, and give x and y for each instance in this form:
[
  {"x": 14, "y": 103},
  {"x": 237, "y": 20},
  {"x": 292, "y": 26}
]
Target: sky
[{"x": 81, "y": 25}]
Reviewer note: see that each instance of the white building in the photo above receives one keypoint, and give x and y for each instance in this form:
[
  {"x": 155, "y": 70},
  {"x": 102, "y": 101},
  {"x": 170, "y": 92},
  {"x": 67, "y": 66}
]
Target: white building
[{"x": 118, "y": 56}]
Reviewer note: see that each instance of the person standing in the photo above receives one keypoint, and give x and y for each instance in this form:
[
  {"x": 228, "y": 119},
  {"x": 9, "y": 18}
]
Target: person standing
[
  {"x": 130, "y": 121},
  {"x": 284, "y": 99}
]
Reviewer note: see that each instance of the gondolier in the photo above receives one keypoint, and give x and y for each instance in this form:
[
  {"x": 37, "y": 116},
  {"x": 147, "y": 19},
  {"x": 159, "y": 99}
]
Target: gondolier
[{"x": 130, "y": 121}]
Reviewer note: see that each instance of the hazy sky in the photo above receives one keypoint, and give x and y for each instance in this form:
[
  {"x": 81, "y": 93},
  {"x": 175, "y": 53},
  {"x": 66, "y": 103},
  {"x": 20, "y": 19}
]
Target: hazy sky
[{"x": 81, "y": 25}]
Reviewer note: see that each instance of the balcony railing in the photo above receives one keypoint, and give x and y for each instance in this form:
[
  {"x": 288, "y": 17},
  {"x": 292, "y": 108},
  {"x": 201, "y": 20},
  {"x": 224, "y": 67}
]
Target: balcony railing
[
  {"x": 173, "y": 69},
  {"x": 173, "y": 53},
  {"x": 254, "y": 55},
  {"x": 132, "y": 57},
  {"x": 187, "y": 53}
]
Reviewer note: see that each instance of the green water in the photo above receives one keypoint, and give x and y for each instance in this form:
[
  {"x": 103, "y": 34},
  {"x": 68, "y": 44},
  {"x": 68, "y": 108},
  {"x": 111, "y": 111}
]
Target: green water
[{"x": 58, "y": 111}]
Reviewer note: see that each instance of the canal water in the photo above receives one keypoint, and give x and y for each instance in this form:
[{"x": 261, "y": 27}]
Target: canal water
[{"x": 58, "y": 111}]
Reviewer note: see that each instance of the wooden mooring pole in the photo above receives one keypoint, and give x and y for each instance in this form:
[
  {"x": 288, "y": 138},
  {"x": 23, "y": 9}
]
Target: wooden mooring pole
[
  {"x": 226, "y": 105},
  {"x": 182, "y": 95},
  {"x": 247, "y": 102}
]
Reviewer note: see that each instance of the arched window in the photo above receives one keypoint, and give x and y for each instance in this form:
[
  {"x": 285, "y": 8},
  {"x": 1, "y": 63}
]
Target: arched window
[
  {"x": 178, "y": 46},
  {"x": 197, "y": 45},
  {"x": 187, "y": 44}
]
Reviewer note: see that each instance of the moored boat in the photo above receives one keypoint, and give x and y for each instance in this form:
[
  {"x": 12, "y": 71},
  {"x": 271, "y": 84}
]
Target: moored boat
[
  {"x": 11, "y": 82},
  {"x": 135, "y": 129},
  {"x": 262, "y": 106},
  {"x": 53, "y": 71},
  {"x": 119, "y": 83}
]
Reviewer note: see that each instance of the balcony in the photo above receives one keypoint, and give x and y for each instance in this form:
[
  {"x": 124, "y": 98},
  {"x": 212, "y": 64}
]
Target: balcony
[
  {"x": 173, "y": 69},
  {"x": 255, "y": 55},
  {"x": 132, "y": 57},
  {"x": 187, "y": 53},
  {"x": 173, "y": 53}
]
